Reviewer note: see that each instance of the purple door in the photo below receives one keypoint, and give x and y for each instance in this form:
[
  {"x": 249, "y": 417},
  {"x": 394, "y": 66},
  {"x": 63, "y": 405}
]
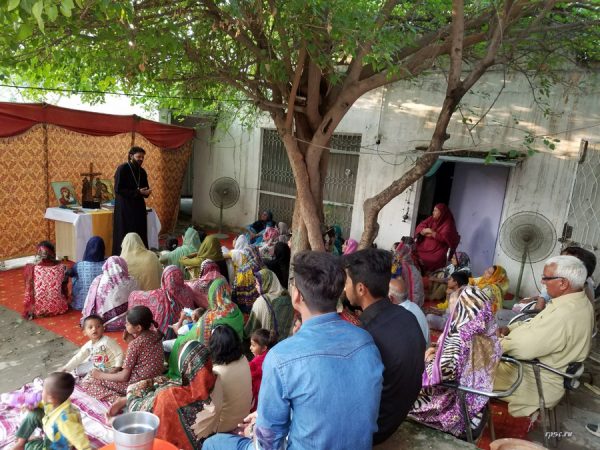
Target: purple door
[{"x": 476, "y": 200}]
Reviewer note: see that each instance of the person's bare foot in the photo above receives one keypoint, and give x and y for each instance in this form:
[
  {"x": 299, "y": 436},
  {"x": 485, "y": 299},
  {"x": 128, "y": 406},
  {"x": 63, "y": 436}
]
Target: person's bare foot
[{"x": 116, "y": 408}]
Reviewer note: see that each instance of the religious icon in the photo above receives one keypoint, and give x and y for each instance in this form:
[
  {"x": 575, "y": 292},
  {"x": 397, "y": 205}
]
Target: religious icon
[
  {"x": 65, "y": 193},
  {"x": 104, "y": 191}
]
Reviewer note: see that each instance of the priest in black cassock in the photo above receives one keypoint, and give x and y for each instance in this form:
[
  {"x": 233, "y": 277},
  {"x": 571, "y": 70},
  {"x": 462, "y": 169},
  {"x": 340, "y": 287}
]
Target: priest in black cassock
[{"x": 131, "y": 188}]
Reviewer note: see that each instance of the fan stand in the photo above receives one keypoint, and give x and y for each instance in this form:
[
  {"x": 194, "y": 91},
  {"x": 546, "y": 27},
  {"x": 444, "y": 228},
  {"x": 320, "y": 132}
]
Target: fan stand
[
  {"x": 523, "y": 261},
  {"x": 220, "y": 234}
]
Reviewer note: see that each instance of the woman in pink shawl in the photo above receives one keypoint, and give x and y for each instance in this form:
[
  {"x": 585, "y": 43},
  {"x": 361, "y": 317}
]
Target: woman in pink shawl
[
  {"x": 209, "y": 271},
  {"x": 434, "y": 236},
  {"x": 108, "y": 294},
  {"x": 349, "y": 247},
  {"x": 167, "y": 302}
]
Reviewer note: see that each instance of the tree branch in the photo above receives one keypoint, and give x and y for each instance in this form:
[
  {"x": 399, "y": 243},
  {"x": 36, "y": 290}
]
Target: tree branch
[
  {"x": 456, "y": 51},
  {"x": 294, "y": 90}
]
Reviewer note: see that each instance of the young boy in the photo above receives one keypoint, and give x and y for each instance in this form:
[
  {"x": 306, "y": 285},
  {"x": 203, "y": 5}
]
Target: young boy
[
  {"x": 100, "y": 352},
  {"x": 59, "y": 419}
]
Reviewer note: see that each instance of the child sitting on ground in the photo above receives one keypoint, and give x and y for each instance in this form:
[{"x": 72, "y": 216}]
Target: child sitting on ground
[
  {"x": 59, "y": 419},
  {"x": 144, "y": 358},
  {"x": 260, "y": 343},
  {"x": 438, "y": 316},
  {"x": 187, "y": 319},
  {"x": 100, "y": 352}
]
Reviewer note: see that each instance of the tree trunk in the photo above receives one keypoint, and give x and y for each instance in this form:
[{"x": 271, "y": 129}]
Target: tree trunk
[
  {"x": 309, "y": 210},
  {"x": 372, "y": 206}
]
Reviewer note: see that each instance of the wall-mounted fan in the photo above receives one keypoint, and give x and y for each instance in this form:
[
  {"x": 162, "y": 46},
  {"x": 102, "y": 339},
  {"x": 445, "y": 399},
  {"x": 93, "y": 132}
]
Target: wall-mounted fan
[
  {"x": 224, "y": 193},
  {"x": 527, "y": 236}
]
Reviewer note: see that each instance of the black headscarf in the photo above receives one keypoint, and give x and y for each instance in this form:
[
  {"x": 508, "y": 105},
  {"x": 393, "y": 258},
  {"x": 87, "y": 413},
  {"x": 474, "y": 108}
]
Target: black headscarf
[
  {"x": 94, "y": 250},
  {"x": 280, "y": 264}
]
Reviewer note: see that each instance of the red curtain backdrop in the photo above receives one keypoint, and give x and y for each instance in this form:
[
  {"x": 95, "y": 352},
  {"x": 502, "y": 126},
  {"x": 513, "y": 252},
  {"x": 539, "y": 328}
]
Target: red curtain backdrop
[
  {"x": 16, "y": 118},
  {"x": 45, "y": 152}
]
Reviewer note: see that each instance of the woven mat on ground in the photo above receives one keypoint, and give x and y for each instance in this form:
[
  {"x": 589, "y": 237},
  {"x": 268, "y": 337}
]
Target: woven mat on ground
[{"x": 92, "y": 414}]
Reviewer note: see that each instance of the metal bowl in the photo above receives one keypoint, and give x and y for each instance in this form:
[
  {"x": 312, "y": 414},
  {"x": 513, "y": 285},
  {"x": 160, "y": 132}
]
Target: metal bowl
[{"x": 135, "y": 430}]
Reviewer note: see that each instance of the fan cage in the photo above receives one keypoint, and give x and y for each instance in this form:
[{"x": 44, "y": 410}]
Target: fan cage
[
  {"x": 224, "y": 192},
  {"x": 527, "y": 231}
]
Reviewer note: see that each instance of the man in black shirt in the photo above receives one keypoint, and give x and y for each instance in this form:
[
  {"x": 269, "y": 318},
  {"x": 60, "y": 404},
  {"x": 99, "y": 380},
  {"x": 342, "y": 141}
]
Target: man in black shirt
[{"x": 395, "y": 331}]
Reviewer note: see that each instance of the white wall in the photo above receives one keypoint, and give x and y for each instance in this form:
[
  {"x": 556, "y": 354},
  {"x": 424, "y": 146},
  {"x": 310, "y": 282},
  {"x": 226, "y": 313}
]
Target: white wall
[
  {"x": 402, "y": 117},
  {"x": 230, "y": 152}
]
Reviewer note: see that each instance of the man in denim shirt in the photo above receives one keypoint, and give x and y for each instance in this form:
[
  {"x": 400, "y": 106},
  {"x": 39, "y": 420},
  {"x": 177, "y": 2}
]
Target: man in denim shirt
[{"x": 321, "y": 387}]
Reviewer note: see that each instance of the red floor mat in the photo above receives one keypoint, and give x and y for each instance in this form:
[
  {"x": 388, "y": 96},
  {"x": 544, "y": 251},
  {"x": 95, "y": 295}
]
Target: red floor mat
[
  {"x": 505, "y": 426},
  {"x": 66, "y": 325}
]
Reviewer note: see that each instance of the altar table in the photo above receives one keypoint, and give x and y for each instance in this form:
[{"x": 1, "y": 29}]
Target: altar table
[{"x": 73, "y": 230}]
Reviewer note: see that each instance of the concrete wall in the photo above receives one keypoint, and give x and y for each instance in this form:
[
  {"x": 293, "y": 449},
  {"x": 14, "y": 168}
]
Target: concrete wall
[
  {"x": 403, "y": 116},
  {"x": 230, "y": 152}
]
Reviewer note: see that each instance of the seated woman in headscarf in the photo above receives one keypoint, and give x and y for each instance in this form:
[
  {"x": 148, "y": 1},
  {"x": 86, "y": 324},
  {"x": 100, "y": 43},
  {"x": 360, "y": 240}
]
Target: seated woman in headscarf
[
  {"x": 273, "y": 309},
  {"x": 233, "y": 256},
  {"x": 334, "y": 240},
  {"x": 257, "y": 229},
  {"x": 435, "y": 236},
  {"x": 403, "y": 266},
  {"x": 467, "y": 352},
  {"x": 221, "y": 310},
  {"x": 494, "y": 282},
  {"x": 210, "y": 249},
  {"x": 85, "y": 271},
  {"x": 189, "y": 409},
  {"x": 166, "y": 302},
  {"x": 243, "y": 289},
  {"x": 280, "y": 264},
  {"x": 284, "y": 232},
  {"x": 270, "y": 239},
  {"x": 191, "y": 244},
  {"x": 109, "y": 293},
  {"x": 209, "y": 271},
  {"x": 460, "y": 262},
  {"x": 45, "y": 284},
  {"x": 143, "y": 264}
]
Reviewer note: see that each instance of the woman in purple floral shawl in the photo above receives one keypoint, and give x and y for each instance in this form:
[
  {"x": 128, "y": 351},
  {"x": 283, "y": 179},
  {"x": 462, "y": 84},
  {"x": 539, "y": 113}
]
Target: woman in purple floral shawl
[
  {"x": 109, "y": 293},
  {"x": 468, "y": 351}
]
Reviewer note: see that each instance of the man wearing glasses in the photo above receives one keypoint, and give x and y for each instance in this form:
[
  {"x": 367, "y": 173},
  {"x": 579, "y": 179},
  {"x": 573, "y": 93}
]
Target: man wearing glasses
[{"x": 557, "y": 336}]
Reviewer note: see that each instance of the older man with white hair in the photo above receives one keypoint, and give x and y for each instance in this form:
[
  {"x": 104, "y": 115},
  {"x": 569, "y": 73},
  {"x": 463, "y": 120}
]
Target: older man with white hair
[{"x": 557, "y": 336}]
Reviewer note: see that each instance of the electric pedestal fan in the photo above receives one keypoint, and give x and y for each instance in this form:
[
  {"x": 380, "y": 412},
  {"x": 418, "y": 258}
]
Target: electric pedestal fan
[
  {"x": 527, "y": 235},
  {"x": 224, "y": 193}
]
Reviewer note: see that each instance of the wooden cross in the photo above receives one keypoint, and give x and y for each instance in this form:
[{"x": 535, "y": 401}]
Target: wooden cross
[
  {"x": 88, "y": 184},
  {"x": 91, "y": 173}
]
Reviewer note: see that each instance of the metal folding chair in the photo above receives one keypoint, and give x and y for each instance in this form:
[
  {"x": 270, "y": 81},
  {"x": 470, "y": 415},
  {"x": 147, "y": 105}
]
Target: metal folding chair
[
  {"x": 570, "y": 382},
  {"x": 464, "y": 390}
]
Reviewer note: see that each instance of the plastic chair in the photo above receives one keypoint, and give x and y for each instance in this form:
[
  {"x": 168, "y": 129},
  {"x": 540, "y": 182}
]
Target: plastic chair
[
  {"x": 464, "y": 390},
  {"x": 570, "y": 382}
]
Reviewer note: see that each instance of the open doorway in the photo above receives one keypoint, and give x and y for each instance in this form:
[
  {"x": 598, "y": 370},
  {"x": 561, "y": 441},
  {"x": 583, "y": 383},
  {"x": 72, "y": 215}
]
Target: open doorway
[{"x": 475, "y": 194}]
